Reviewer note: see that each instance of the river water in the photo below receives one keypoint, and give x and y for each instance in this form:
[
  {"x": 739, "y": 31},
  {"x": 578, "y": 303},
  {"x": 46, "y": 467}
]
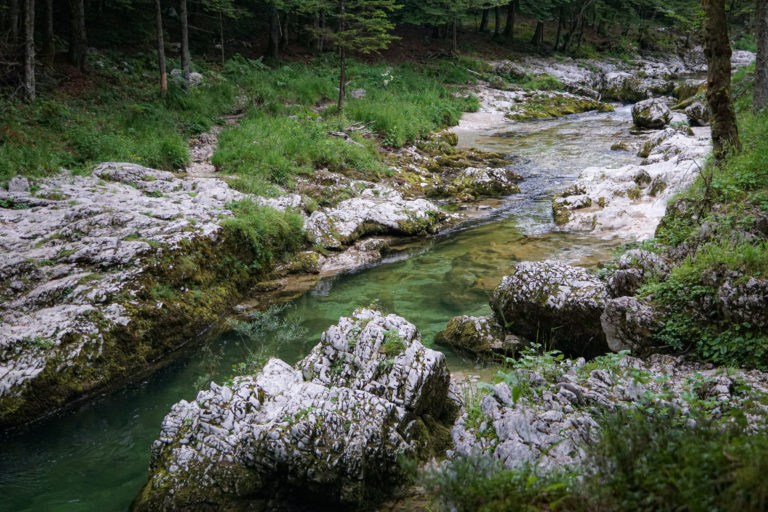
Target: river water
[{"x": 95, "y": 457}]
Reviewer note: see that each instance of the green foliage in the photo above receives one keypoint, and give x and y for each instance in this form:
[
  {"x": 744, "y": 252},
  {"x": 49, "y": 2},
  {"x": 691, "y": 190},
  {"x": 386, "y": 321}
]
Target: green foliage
[
  {"x": 266, "y": 232},
  {"x": 393, "y": 343}
]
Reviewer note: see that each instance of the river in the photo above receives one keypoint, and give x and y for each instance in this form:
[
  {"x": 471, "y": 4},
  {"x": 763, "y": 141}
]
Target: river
[{"x": 95, "y": 457}]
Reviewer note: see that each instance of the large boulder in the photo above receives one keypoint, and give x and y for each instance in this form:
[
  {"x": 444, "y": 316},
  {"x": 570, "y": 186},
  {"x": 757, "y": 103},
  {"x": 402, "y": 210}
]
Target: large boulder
[
  {"x": 328, "y": 431},
  {"x": 377, "y": 211},
  {"x": 481, "y": 337},
  {"x": 697, "y": 114},
  {"x": 630, "y": 325},
  {"x": 622, "y": 86},
  {"x": 652, "y": 113},
  {"x": 635, "y": 267},
  {"x": 556, "y": 304}
]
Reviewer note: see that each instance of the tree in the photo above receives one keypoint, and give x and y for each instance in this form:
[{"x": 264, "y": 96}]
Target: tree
[
  {"x": 49, "y": 43},
  {"x": 78, "y": 42},
  {"x": 363, "y": 26},
  {"x": 29, "y": 49},
  {"x": 184, "y": 41},
  {"x": 509, "y": 28},
  {"x": 160, "y": 47},
  {"x": 760, "y": 99},
  {"x": 717, "y": 48}
]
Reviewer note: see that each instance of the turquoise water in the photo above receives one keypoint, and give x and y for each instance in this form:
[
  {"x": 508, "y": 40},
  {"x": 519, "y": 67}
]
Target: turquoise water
[{"x": 95, "y": 457}]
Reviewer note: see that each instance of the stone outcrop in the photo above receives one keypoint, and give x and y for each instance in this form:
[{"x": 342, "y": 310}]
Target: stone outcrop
[
  {"x": 554, "y": 304},
  {"x": 481, "y": 337},
  {"x": 545, "y": 419},
  {"x": 651, "y": 113},
  {"x": 623, "y": 86},
  {"x": 629, "y": 324},
  {"x": 697, "y": 114},
  {"x": 329, "y": 430},
  {"x": 376, "y": 211},
  {"x": 634, "y": 268}
]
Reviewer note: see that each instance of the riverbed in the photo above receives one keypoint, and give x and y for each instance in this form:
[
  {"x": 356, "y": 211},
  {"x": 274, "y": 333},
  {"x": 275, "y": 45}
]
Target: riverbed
[{"x": 95, "y": 457}]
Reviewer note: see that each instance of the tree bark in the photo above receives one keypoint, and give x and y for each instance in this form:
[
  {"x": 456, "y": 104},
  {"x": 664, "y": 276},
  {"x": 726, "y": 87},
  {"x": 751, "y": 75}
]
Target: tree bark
[
  {"x": 343, "y": 58},
  {"x": 184, "y": 42},
  {"x": 717, "y": 48},
  {"x": 221, "y": 37},
  {"x": 274, "y": 33},
  {"x": 760, "y": 99},
  {"x": 29, "y": 50},
  {"x": 484, "y": 21},
  {"x": 160, "y": 47},
  {"x": 560, "y": 22},
  {"x": 497, "y": 19},
  {"x": 538, "y": 35},
  {"x": 13, "y": 21},
  {"x": 49, "y": 43},
  {"x": 77, "y": 38},
  {"x": 454, "y": 39},
  {"x": 509, "y": 29}
]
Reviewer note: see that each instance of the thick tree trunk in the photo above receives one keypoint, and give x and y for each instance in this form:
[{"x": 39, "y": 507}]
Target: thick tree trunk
[
  {"x": 49, "y": 43},
  {"x": 160, "y": 47},
  {"x": 497, "y": 21},
  {"x": 509, "y": 29},
  {"x": 760, "y": 99},
  {"x": 717, "y": 48},
  {"x": 484, "y": 21},
  {"x": 560, "y": 22},
  {"x": 184, "y": 41},
  {"x": 538, "y": 35},
  {"x": 77, "y": 38},
  {"x": 343, "y": 58},
  {"x": 29, "y": 50},
  {"x": 221, "y": 37}
]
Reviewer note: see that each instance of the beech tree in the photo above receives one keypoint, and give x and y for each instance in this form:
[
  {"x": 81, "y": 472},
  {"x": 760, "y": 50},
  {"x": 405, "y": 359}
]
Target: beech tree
[
  {"x": 760, "y": 98},
  {"x": 717, "y": 48}
]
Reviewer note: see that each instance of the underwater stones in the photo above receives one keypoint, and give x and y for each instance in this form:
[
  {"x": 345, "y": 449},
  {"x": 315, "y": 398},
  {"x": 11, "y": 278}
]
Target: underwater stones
[
  {"x": 557, "y": 304},
  {"x": 328, "y": 431},
  {"x": 651, "y": 113},
  {"x": 481, "y": 337},
  {"x": 376, "y": 211},
  {"x": 629, "y": 324},
  {"x": 697, "y": 114}
]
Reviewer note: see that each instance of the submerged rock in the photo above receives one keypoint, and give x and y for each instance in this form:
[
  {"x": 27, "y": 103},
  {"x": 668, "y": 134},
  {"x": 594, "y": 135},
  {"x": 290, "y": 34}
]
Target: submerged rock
[
  {"x": 652, "y": 113},
  {"x": 328, "y": 431},
  {"x": 555, "y": 304}
]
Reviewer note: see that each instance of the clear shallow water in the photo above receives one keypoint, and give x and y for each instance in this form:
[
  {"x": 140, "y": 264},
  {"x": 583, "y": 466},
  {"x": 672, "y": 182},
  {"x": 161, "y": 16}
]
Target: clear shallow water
[{"x": 95, "y": 458}]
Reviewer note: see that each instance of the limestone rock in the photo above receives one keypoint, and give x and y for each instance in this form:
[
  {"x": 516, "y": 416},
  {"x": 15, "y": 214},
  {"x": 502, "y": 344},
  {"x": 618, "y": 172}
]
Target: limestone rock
[
  {"x": 652, "y": 113},
  {"x": 376, "y": 211},
  {"x": 697, "y": 114},
  {"x": 487, "y": 181},
  {"x": 481, "y": 337},
  {"x": 328, "y": 431},
  {"x": 629, "y": 325},
  {"x": 622, "y": 86},
  {"x": 556, "y": 304},
  {"x": 635, "y": 266}
]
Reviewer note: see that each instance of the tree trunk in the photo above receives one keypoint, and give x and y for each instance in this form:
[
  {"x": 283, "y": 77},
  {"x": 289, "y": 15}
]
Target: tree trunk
[
  {"x": 484, "y": 21},
  {"x": 538, "y": 35},
  {"x": 184, "y": 42},
  {"x": 274, "y": 33},
  {"x": 717, "y": 48},
  {"x": 760, "y": 99},
  {"x": 13, "y": 21},
  {"x": 49, "y": 43},
  {"x": 509, "y": 29},
  {"x": 77, "y": 38},
  {"x": 221, "y": 36},
  {"x": 161, "y": 47},
  {"x": 454, "y": 39},
  {"x": 29, "y": 50},
  {"x": 284, "y": 32},
  {"x": 343, "y": 58},
  {"x": 560, "y": 22},
  {"x": 497, "y": 18}
]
